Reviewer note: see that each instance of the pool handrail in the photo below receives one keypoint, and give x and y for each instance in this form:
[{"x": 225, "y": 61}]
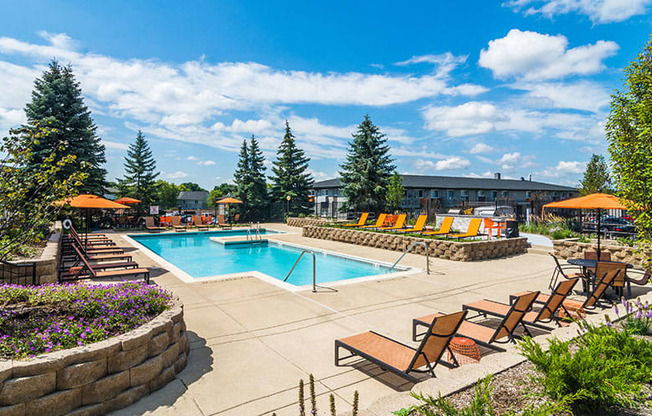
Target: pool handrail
[
  {"x": 314, "y": 267},
  {"x": 421, "y": 243}
]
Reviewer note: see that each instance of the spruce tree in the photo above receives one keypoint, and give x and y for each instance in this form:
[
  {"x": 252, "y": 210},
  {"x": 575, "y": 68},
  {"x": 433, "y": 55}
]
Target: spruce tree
[
  {"x": 242, "y": 179},
  {"x": 57, "y": 103},
  {"x": 367, "y": 170},
  {"x": 596, "y": 177},
  {"x": 140, "y": 175},
  {"x": 258, "y": 198},
  {"x": 292, "y": 178}
]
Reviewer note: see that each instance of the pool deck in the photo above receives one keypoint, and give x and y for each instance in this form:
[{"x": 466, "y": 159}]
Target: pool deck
[{"x": 251, "y": 341}]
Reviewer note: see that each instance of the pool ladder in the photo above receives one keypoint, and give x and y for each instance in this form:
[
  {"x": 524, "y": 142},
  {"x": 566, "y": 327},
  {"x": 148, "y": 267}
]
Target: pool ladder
[
  {"x": 416, "y": 243},
  {"x": 314, "y": 269},
  {"x": 253, "y": 233}
]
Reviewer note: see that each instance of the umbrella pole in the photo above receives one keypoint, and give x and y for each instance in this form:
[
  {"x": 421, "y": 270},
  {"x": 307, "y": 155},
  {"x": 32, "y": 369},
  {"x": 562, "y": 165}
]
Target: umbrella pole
[
  {"x": 88, "y": 220},
  {"x": 599, "y": 212}
]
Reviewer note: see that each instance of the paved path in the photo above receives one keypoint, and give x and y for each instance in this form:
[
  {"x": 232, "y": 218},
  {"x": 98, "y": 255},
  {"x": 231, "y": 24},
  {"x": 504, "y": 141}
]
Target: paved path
[{"x": 251, "y": 341}]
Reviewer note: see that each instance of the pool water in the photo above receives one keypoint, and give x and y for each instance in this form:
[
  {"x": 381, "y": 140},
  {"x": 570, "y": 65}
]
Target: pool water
[{"x": 196, "y": 255}]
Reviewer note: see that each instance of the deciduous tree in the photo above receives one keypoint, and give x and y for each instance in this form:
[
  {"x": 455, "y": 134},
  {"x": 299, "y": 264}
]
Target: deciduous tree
[
  {"x": 596, "y": 177},
  {"x": 395, "y": 192}
]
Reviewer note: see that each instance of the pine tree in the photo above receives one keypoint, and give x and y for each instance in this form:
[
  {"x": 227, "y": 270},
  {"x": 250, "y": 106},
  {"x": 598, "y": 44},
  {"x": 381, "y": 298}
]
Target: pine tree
[
  {"x": 242, "y": 179},
  {"x": 140, "y": 175},
  {"x": 596, "y": 177},
  {"x": 57, "y": 103},
  {"x": 258, "y": 198},
  {"x": 367, "y": 170},
  {"x": 292, "y": 178}
]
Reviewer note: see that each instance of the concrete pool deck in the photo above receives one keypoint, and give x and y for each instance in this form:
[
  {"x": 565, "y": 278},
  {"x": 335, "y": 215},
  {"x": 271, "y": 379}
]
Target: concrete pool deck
[{"x": 251, "y": 341}]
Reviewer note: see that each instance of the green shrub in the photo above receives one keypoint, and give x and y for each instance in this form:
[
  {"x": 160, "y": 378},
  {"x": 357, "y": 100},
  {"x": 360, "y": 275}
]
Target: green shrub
[
  {"x": 607, "y": 368},
  {"x": 638, "y": 317}
]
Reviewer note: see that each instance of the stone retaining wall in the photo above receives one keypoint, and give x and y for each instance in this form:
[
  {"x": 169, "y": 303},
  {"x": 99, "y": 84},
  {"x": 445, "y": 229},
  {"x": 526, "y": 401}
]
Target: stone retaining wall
[
  {"x": 302, "y": 222},
  {"x": 47, "y": 265},
  {"x": 98, "y": 378},
  {"x": 451, "y": 250},
  {"x": 572, "y": 249}
]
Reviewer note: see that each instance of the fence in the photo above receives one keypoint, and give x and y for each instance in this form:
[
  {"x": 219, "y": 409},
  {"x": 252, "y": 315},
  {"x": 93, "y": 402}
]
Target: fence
[{"x": 18, "y": 273}]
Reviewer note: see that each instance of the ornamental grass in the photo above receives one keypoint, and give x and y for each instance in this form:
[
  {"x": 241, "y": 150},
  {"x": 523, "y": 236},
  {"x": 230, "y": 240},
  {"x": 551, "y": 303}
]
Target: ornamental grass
[{"x": 41, "y": 319}]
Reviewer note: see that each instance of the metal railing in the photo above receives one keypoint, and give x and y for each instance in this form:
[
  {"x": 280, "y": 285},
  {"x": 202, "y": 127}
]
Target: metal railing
[
  {"x": 314, "y": 269},
  {"x": 420, "y": 243},
  {"x": 18, "y": 273},
  {"x": 253, "y": 233}
]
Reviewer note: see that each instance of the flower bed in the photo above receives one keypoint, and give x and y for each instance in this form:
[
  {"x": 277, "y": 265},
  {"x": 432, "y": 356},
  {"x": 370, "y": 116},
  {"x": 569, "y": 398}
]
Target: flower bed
[{"x": 40, "y": 319}]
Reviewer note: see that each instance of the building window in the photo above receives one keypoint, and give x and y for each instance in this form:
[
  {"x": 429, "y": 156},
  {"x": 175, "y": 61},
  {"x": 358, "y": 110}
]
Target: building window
[
  {"x": 481, "y": 193},
  {"x": 505, "y": 194},
  {"x": 528, "y": 194},
  {"x": 420, "y": 193},
  {"x": 434, "y": 193},
  {"x": 450, "y": 194},
  {"x": 325, "y": 192},
  {"x": 494, "y": 195},
  {"x": 464, "y": 193}
]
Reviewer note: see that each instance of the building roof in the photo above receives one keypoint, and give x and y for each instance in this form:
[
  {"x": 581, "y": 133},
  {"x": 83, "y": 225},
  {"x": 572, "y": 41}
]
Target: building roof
[
  {"x": 454, "y": 182},
  {"x": 193, "y": 195}
]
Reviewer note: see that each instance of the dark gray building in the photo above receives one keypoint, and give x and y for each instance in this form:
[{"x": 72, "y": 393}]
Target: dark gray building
[
  {"x": 193, "y": 200},
  {"x": 448, "y": 192}
]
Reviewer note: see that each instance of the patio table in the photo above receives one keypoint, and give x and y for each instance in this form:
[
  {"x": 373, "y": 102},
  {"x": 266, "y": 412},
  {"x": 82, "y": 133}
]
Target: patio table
[{"x": 586, "y": 264}]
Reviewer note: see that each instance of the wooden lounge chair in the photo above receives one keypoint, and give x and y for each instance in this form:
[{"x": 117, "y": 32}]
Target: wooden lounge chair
[
  {"x": 485, "y": 335},
  {"x": 593, "y": 255},
  {"x": 176, "y": 224},
  {"x": 561, "y": 270},
  {"x": 546, "y": 314},
  {"x": 92, "y": 239},
  {"x": 472, "y": 231},
  {"x": 379, "y": 222},
  {"x": 98, "y": 236},
  {"x": 397, "y": 225},
  {"x": 400, "y": 358},
  {"x": 444, "y": 229},
  {"x": 610, "y": 271},
  {"x": 222, "y": 222},
  {"x": 150, "y": 227},
  {"x": 91, "y": 249},
  {"x": 418, "y": 227},
  {"x": 361, "y": 221},
  {"x": 199, "y": 223},
  {"x": 71, "y": 270},
  {"x": 88, "y": 272}
]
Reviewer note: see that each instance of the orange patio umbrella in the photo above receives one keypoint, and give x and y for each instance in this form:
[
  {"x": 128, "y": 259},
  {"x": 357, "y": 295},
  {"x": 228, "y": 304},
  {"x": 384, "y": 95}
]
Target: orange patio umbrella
[
  {"x": 89, "y": 202},
  {"x": 597, "y": 201},
  {"x": 127, "y": 200},
  {"x": 228, "y": 200}
]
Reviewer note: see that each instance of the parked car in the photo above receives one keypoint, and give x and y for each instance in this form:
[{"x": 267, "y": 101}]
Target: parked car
[{"x": 611, "y": 223}]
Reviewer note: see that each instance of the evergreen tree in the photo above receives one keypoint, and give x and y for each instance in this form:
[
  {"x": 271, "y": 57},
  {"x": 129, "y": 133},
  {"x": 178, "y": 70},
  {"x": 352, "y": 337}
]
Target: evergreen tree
[
  {"x": 58, "y": 104},
  {"x": 596, "y": 177},
  {"x": 258, "y": 198},
  {"x": 242, "y": 179},
  {"x": 292, "y": 178},
  {"x": 395, "y": 192},
  {"x": 367, "y": 170},
  {"x": 140, "y": 174}
]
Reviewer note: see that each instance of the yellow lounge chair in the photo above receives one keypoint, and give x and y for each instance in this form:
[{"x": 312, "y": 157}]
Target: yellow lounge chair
[
  {"x": 418, "y": 227},
  {"x": 397, "y": 226},
  {"x": 472, "y": 231},
  {"x": 444, "y": 229},
  {"x": 361, "y": 221},
  {"x": 379, "y": 222}
]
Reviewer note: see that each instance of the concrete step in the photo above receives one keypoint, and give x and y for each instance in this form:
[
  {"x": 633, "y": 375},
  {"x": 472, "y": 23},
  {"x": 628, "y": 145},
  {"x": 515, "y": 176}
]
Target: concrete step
[{"x": 542, "y": 250}]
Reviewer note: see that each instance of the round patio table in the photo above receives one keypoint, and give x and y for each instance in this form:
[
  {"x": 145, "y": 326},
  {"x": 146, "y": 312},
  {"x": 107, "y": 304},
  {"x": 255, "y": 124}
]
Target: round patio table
[{"x": 592, "y": 264}]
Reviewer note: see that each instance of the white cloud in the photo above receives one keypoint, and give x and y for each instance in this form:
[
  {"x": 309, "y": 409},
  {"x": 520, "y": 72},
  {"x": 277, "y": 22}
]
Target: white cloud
[
  {"x": 481, "y": 148},
  {"x": 463, "y": 120},
  {"x": 512, "y": 161},
  {"x": 587, "y": 96},
  {"x": 487, "y": 174},
  {"x": 176, "y": 175},
  {"x": 115, "y": 145},
  {"x": 206, "y": 163},
  {"x": 451, "y": 163},
  {"x": 319, "y": 175},
  {"x": 533, "y": 56},
  {"x": 600, "y": 11},
  {"x": 445, "y": 62},
  {"x": 563, "y": 169},
  {"x": 192, "y": 158}
]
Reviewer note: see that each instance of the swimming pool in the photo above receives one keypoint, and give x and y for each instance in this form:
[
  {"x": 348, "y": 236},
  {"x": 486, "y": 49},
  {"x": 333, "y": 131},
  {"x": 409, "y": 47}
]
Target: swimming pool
[{"x": 199, "y": 257}]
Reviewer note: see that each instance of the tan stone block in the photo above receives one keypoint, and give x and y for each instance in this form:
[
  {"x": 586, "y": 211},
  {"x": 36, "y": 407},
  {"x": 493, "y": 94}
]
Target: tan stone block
[
  {"x": 147, "y": 371},
  {"x": 21, "y": 389},
  {"x": 92, "y": 410},
  {"x": 58, "y": 403},
  {"x": 166, "y": 375},
  {"x": 124, "y": 360},
  {"x": 43, "y": 364},
  {"x": 181, "y": 362},
  {"x": 136, "y": 338},
  {"x": 158, "y": 344},
  {"x": 126, "y": 398},
  {"x": 80, "y": 374},
  {"x": 105, "y": 388},
  {"x": 15, "y": 410},
  {"x": 176, "y": 332},
  {"x": 6, "y": 369},
  {"x": 170, "y": 355},
  {"x": 91, "y": 352}
]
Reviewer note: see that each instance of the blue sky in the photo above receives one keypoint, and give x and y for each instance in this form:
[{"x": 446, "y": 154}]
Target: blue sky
[{"x": 520, "y": 87}]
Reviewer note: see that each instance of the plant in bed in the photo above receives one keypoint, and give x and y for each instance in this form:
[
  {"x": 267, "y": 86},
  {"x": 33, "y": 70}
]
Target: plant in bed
[{"x": 40, "y": 319}]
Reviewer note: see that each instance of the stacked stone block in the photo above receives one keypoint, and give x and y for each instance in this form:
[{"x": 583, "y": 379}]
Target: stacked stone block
[
  {"x": 451, "y": 250},
  {"x": 302, "y": 222},
  {"x": 100, "y": 377},
  {"x": 572, "y": 249}
]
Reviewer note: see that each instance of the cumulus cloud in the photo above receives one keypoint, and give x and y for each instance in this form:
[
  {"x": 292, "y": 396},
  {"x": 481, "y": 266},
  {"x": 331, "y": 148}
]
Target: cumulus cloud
[
  {"x": 511, "y": 161},
  {"x": 115, "y": 145},
  {"x": 451, "y": 163},
  {"x": 599, "y": 11},
  {"x": 533, "y": 56},
  {"x": 587, "y": 96},
  {"x": 463, "y": 120},
  {"x": 444, "y": 63},
  {"x": 481, "y": 148},
  {"x": 175, "y": 175},
  {"x": 563, "y": 169},
  {"x": 206, "y": 163}
]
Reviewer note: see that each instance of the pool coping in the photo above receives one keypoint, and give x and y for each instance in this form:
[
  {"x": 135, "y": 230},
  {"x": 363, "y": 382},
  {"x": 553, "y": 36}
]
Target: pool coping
[{"x": 187, "y": 278}]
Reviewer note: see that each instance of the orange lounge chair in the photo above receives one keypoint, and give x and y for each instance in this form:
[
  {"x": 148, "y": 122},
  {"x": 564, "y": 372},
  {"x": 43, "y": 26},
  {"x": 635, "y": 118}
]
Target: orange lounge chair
[
  {"x": 87, "y": 272},
  {"x": 418, "y": 227},
  {"x": 444, "y": 229},
  {"x": 491, "y": 225},
  {"x": 546, "y": 314},
  {"x": 199, "y": 223},
  {"x": 361, "y": 221},
  {"x": 379, "y": 222},
  {"x": 403, "y": 359},
  {"x": 150, "y": 227},
  {"x": 176, "y": 224},
  {"x": 472, "y": 231},
  {"x": 485, "y": 335},
  {"x": 397, "y": 225},
  {"x": 222, "y": 222}
]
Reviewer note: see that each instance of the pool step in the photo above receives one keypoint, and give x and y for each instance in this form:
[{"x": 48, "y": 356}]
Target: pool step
[{"x": 242, "y": 240}]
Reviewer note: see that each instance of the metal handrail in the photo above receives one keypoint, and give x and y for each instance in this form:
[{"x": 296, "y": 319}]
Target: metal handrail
[
  {"x": 425, "y": 246},
  {"x": 314, "y": 269}
]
